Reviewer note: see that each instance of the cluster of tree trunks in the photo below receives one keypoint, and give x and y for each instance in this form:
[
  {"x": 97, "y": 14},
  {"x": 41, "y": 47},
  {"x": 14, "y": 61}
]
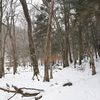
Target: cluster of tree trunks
[{"x": 75, "y": 33}]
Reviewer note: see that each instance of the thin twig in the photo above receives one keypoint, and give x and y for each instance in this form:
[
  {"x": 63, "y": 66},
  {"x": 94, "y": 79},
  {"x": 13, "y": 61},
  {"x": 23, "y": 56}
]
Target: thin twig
[{"x": 12, "y": 96}]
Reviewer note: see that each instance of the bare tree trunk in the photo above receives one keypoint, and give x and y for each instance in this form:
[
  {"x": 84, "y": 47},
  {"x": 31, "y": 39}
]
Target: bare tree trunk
[
  {"x": 1, "y": 66},
  {"x": 90, "y": 51},
  {"x": 74, "y": 51},
  {"x": 66, "y": 63},
  {"x": 94, "y": 39},
  {"x": 13, "y": 49},
  {"x": 69, "y": 49},
  {"x": 80, "y": 44},
  {"x": 14, "y": 41},
  {"x": 51, "y": 64},
  {"x": 47, "y": 48},
  {"x": 3, "y": 51},
  {"x": 31, "y": 43},
  {"x": 51, "y": 61}
]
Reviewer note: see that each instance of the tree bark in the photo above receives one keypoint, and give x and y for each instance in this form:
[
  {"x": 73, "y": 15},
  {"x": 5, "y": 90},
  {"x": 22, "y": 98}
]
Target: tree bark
[
  {"x": 1, "y": 59},
  {"x": 90, "y": 50},
  {"x": 80, "y": 44},
  {"x": 14, "y": 44},
  {"x": 69, "y": 49},
  {"x": 74, "y": 51},
  {"x": 31, "y": 43},
  {"x": 47, "y": 48},
  {"x": 66, "y": 47}
]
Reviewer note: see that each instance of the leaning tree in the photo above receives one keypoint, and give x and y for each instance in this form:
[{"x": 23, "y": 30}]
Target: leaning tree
[{"x": 31, "y": 43}]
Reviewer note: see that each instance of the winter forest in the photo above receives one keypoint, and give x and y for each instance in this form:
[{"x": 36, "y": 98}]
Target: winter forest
[{"x": 49, "y": 49}]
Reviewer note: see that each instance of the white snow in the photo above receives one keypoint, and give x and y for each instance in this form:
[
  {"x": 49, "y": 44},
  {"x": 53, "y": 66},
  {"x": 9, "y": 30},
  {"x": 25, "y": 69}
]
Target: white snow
[{"x": 85, "y": 85}]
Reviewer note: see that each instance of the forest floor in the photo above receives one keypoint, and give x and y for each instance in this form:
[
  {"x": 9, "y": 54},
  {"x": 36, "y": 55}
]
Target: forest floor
[{"x": 84, "y": 85}]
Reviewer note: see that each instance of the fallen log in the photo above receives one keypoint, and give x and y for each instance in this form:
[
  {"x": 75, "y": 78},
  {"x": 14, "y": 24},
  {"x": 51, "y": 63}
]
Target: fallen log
[
  {"x": 19, "y": 91},
  {"x": 6, "y": 90},
  {"x": 67, "y": 84},
  {"x": 26, "y": 94},
  {"x": 23, "y": 91}
]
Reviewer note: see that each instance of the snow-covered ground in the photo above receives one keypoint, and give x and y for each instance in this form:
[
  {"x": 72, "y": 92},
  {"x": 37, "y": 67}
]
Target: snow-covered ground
[{"x": 85, "y": 86}]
